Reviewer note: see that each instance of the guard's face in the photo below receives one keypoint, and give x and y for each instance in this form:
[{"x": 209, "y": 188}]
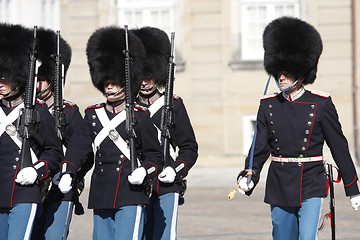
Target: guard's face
[
  {"x": 148, "y": 86},
  {"x": 285, "y": 80},
  {"x": 5, "y": 86},
  {"x": 112, "y": 91},
  {"x": 41, "y": 85}
]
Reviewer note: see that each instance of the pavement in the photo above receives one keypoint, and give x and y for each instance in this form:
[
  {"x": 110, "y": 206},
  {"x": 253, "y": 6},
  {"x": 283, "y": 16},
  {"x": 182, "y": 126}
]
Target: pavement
[{"x": 208, "y": 215}]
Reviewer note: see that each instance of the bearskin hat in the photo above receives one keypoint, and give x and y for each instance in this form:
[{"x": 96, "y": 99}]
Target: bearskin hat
[
  {"x": 293, "y": 46},
  {"x": 157, "y": 46},
  {"x": 47, "y": 50},
  {"x": 106, "y": 58},
  {"x": 15, "y": 49}
]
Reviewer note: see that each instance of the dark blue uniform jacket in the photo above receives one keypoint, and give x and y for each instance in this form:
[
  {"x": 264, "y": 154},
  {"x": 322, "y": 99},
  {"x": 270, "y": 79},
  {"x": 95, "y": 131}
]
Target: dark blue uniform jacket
[
  {"x": 298, "y": 128},
  {"x": 110, "y": 188},
  {"x": 182, "y": 137},
  {"x": 49, "y": 156}
]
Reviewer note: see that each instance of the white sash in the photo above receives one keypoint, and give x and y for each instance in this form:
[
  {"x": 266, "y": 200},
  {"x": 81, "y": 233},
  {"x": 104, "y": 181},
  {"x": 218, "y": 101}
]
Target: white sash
[
  {"x": 109, "y": 125},
  {"x": 9, "y": 119},
  {"x": 153, "y": 109}
]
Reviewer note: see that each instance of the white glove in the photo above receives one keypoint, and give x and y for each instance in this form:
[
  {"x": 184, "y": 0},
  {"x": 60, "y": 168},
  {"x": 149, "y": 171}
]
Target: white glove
[
  {"x": 137, "y": 176},
  {"x": 56, "y": 179},
  {"x": 167, "y": 175},
  {"x": 26, "y": 176},
  {"x": 243, "y": 186},
  {"x": 65, "y": 183},
  {"x": 355, "y": 201}
]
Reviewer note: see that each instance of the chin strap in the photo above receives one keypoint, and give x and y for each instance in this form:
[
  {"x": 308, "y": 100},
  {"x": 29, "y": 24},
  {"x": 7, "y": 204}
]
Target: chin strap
[
  {"x": 149, "y": 89},
  {"x": 8, "y": 94},
  {"x": 115, "y": 93},
  {"x": 288, "y": 88},
  {"x": 38, "y": 94}
]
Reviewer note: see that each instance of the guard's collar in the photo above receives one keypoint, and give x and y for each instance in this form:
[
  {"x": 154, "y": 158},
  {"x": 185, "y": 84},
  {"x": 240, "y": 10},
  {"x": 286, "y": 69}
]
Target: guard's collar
[
  {"x": 294, "y": 95},
  {"x": 49, "y": 100},
  {"x": 115, "y": 107},
  {"x": 13, "y": 102},
  {"x": 149, "y": 99}
]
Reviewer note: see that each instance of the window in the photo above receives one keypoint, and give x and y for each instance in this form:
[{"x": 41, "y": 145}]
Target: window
[
  {"x": 50, "y": 14},
  {"x": 5, "y": 10},
  {"x": 249, "y": 123},
  {"x": 44, "y": 13},
  {"x": 249, "y": 18},
  {"x": 154, "y": 13}
]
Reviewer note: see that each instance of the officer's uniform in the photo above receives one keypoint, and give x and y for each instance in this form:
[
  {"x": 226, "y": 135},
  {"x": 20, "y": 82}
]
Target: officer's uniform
[
  {"x": 292, "y": 126},
  {"x": 49, "y": 155},
  {"x": 293, "y": 130},
  {"x": 184, "y": 139}
]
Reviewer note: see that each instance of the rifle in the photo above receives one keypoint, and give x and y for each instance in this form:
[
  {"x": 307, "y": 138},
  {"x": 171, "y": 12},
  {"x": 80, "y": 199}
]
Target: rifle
[
  {"x": 332, "y": 201},
  {"x": 167, "y": 115},
  {"x": 29, "y": 118},
  {"x": 129, "y": 105},
  {"x": 61, "y": 120}
]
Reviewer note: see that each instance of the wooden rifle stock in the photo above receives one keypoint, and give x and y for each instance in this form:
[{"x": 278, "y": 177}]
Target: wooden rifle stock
[
  {"x": 167, "y": 117},
  {"x": 129, "y": 106}
]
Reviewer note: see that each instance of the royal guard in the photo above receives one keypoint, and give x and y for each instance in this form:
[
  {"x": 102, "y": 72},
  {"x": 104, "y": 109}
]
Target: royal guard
[
  {"x": 169, "y": 187},
  {"x": 54, "y": 216},
  {"x": 30, "y": 150},
  {"x": 292, "y": 127},
  {"x": 117, "y": 192}
]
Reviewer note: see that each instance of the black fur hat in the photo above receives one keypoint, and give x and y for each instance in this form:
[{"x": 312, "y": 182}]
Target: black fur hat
[
  {"x": 46, "y": 51},
  {"x": 107, "y": 61},
  {"x": 15, "y": 49},
  {"x": 157, "y": 46},
  {"x": 293, "y": 46}
]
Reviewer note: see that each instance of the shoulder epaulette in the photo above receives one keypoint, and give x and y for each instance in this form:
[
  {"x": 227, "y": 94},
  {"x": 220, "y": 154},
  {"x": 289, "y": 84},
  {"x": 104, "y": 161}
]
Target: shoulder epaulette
[
  {"x": 320, "y": 93},
  {"x": 99, "y": 105},
  {"x": 69, "y": 103},
  {"x": 176, "y": 97},
  {"x": 269, "y": 96},
  {"x": 140, "y": 107},
  {"x": 41, "y": 102}
]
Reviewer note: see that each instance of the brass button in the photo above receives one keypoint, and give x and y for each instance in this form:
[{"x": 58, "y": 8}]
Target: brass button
[
  {"x": 273, "y": 132},
  {"x": 14, "y": 166},
  {"x": 93, "y": 124},
  {"x": 101, "y": 170},
  {"x": 270, "y": 106},
  {"x": 312, "y": 106},
  {"x": 299, "y": 164},
  {"x": 305, "y": 140},
  {"x": 309, "y": 123},
  {"x": 117, "y": 169},
  {"x": 311, "y": 115},
  {"x": 307, "y": 132},
  {"x": 271, "y": 122},
  {"x": 121, "y": 156},
  {"x": 16, "y": 159},
  {"x": 119, "y": 162},
  {"x": 276, "y": 140},
  {"x": 93, "y": 116},
  {"x": 301, "y": 155},
  {"x": 277, "y": 149},
  {"x": 270, "y": 114},
  {"x": 303, "y": 148},
  {"x": 100, "y": 163}
]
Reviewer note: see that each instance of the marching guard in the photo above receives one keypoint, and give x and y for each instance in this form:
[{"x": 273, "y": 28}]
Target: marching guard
[
  {"x": 21, "y": 189},
  {"x": 54, "y": 215},
  {"x": 117, "y": 194},
  {"x": 292, "y": 127},
  {"x": 169, "y": 187}
]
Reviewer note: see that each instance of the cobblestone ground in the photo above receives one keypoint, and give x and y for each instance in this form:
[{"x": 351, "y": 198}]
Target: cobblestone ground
[{"x": 207, "y": 214}]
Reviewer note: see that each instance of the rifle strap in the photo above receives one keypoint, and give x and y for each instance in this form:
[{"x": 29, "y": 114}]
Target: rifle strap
[
  {"x": 108, "y": 126},
  {"x": 7, "y": 120},
  {"x": 153, "y": 109}
]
